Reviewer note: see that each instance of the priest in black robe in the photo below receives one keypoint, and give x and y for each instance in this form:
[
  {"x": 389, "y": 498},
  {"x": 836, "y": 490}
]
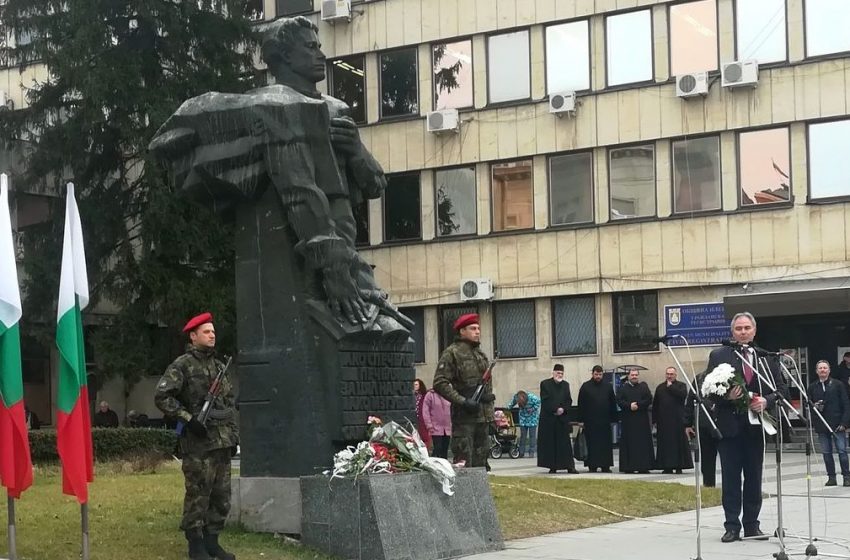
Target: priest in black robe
[
  {"x": 554, "y": 448},
  {"x": 597, "y": 410},
  {"x": 668, "y": 413},
  {"x": 636, "y": 452}
]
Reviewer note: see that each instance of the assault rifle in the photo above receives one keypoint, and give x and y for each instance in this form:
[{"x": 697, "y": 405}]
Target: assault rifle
[
  {"x": 213, "y": 393},
  {"x": 488, "y": 375}
]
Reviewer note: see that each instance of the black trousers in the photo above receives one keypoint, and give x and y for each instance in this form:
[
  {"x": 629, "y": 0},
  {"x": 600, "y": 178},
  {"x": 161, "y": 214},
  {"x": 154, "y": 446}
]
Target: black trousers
[
  {"x": 741, "y": 455},
  {"x": 708, "y": 459},
  {"x": 441, "y": 446}
]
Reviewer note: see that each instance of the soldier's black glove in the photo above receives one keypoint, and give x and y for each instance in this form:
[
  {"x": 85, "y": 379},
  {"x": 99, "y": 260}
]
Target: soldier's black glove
[
  {"x": 470, "y": 405},
  {"x": 196, "y": 428},
  {"x": 488, "y": 398}
]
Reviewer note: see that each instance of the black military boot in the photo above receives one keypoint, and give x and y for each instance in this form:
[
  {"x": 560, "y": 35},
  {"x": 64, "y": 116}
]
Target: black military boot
[
  {"x": 214, "y": 549},
  {"x": 197, "y": 548}
]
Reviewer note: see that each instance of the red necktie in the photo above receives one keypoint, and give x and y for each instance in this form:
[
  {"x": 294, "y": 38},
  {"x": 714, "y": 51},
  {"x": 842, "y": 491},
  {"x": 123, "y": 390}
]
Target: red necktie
[{"x": 748, "y": 369}]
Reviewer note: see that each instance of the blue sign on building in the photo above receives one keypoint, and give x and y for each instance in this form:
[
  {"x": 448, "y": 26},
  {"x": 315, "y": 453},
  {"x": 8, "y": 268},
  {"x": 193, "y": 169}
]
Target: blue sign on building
[{"x": 702, "y": 324}]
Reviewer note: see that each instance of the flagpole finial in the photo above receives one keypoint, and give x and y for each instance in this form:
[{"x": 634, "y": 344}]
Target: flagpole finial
[{"x": 70, "y": 188}]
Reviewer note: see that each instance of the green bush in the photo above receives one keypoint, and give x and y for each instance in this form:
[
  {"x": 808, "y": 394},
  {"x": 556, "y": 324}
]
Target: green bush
[{"x": 109, "y": 444}]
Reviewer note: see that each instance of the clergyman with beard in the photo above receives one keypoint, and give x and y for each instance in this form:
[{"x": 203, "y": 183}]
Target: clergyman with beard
[
  {"x": 554, "y": 448},
  {"x": 597, "y": 410}
]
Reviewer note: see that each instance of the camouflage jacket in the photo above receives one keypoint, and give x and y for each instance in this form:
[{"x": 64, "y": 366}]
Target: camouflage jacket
[
  {"x": 458, "y": 373},
  {"x": 180, "y": 394}
]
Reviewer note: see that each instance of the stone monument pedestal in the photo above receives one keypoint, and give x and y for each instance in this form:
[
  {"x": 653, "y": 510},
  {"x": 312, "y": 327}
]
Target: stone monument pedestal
[
  {"x": 266, "y": 504},
  {"x": 399, "y": 516}
]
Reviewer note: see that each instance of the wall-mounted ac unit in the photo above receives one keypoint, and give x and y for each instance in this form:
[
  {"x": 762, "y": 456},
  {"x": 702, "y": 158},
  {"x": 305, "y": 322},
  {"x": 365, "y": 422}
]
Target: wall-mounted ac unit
[
  {"x": 562, "y": 103},
  {"x": 444, "y": 120},
  {"x": 692, "y": 85},
  {"x": 336, "y": 10},
  {"x": 476, "y": 289},
  {"x": 743, "y": 73}
]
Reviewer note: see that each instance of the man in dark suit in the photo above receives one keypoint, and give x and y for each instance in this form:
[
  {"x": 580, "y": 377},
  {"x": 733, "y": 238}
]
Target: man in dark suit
[
  {"x": 830, "y": 398},
  {"x": 742, "y": 447}
]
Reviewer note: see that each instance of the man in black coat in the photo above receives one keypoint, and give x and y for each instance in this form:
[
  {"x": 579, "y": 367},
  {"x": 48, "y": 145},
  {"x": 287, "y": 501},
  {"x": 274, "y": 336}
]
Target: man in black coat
[
  {"x": 554, "y": 448},
  {"x": 830, "y": 398},
  {"x": 742, "y": 447},
  {"x": 597, "y": 410},
  {"x": 636, "y": 451},
  {"x": 668, "y": 414}
]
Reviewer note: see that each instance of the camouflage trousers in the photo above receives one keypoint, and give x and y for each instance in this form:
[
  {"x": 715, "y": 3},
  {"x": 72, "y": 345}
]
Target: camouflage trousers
[
  {"x": 207, "y": 500},
  {"x": 471, "y": 443}
]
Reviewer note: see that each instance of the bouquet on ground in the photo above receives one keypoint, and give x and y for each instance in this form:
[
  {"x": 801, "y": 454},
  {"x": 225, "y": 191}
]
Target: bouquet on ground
[
  {"x": 391, "y": 449},
  {"x": 722, "y": 380}
]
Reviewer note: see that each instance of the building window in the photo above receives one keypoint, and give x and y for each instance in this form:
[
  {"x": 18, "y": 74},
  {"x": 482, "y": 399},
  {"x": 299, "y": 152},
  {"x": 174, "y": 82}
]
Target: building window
[
  {"x": 829, "y": 159},
  {"x": 696, "y": 174},
  {"x": 765, "y": 164},
  {"x": 628, "y": 48},
  {"x": 827, "y": 22},
  {"x": 635, "y": 321},
  {"x": 399, "y": 83},
  {"x": 347, "y": 82},
  {"x": 756, "y": 38},
  {"x": 402, "y": 220},
  {"x": 631, "y": 172},
  {"x": 693, "y": 37},
  {"x": 456, "y": 210},
  {"x": 417, "y": 315},
  {"x": 292, "y": 7},
  {"x": 513, "y": 195},
  {"x": 571, "y": 189},
  {"x": 508, "y": 67},
  {"x": 574, "y": 325},
  {"x": 448, "y": 315},
  {"x": 361, "y": 221},
  {"x": 254, "y": 10},
  {"x": 453, "y": 75},
  {"x": 568, "y": 57},
  {"x": 515, "y": 327}
]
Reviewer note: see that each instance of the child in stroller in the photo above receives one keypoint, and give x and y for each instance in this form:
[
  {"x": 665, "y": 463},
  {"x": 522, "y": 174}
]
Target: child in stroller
[{"x": 504, "y": 438}]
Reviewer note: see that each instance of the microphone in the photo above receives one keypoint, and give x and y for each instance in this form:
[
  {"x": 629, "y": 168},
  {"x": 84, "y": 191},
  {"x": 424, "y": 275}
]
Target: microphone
[
  {"x": 762, "y": 352},
  {"x": 665, "y": 338},
  {"x": 731, "y": 343}
]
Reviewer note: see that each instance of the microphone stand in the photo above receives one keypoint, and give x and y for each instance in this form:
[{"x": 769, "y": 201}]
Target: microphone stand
[{"x": 699, "y": 405}]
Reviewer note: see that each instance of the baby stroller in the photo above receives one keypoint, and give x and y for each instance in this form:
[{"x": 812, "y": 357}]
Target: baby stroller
[{"x": 504, "y": 440}]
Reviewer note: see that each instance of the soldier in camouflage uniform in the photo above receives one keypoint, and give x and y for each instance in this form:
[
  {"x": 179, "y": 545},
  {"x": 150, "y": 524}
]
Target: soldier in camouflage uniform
[
  {"x": 459, "y": 372},
  {"x": 206, "y": 449}
]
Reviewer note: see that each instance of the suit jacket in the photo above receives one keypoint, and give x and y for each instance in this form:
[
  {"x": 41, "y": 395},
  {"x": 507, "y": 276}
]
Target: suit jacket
[
  {"x": 836, "y": 406},
  {"x": 730, "y": 421}
]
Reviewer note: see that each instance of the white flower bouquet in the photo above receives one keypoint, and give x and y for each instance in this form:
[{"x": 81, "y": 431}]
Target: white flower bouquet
[{"x": 722, "y": 380}]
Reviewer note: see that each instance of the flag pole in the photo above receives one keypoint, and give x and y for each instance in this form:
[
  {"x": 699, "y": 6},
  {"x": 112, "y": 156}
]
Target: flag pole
[
  {"x": 13, "y": 553},
  {"x": 84, "y": 515}
]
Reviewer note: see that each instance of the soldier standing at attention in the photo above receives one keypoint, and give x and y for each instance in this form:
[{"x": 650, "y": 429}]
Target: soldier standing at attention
[
  {"x": 206, "y": 449},
  {"x": 459, "y": 372}
]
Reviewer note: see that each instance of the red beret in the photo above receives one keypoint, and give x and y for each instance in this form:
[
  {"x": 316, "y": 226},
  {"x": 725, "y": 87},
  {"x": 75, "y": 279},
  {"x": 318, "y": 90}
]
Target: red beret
[
  {"x": 197, "y": 321},
  {"x": 466, "y": 320}
]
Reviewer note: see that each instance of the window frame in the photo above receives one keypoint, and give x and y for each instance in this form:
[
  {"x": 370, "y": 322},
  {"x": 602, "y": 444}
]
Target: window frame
[
  {"x": 767, "y": 64},
  {"x": 262, "y": 12},
  {"x": 409, "y": 116},
  {"x": 384, "y": 240},
  {"x": 422, "y": 308},
  {"x": 824, "y": 200},
  {"x": 493, "y": 198},
  {"x": 806, "y": 56},
  {"x": 615, "y": 322},
  {"x": 554, "y": 347},
  {"x": 654, "y": 216},
  {"x": 673, "y": 211},
  {"x": 437, "y": 209},
  {"x": 769, "y": 205},
  {"x": 278, "y": 12},
  {"x": 672, "y": 5},
  {"x": 628, "y": 85},
  {"x": 487, "y": 37},
  {"x": 549, "y": 158},
  {"x": 589, "y": 54},
  {"x": 329, "y": 79},
  {"x": 472, "y": 63},
  {"x": 495, "y": 308}
]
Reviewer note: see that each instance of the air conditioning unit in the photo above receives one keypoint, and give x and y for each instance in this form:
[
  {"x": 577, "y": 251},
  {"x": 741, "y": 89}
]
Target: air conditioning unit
[
  {"x": 562, "y": 103},
  {"x": 744, "y": 73},
  {"x": 444, "y": 120},
  {"x": 476, "y": 289},
  {"x": 692, "y": 85},
  {"x": 336, "y": 10}
]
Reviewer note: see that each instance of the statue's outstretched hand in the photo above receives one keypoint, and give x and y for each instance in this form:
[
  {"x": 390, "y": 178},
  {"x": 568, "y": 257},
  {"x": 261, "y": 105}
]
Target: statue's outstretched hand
[{"x": 343, "y": 296}]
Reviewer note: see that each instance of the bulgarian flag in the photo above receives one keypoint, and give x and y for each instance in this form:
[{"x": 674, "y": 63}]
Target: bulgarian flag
[
  {"x": 73, "y": 434},
  {"x": 15, "y": 464}
]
